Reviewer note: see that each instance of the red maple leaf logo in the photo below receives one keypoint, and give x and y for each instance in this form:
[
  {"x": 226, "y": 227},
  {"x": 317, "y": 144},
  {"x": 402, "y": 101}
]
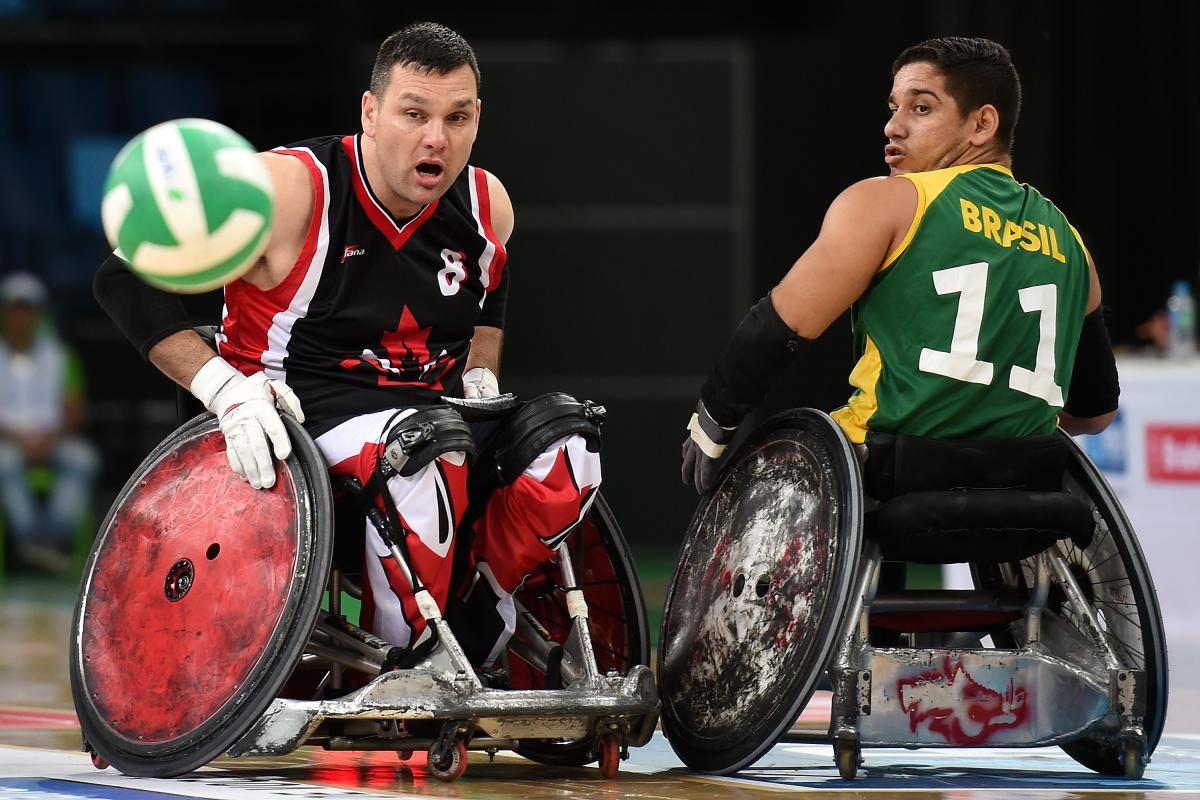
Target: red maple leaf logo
[{"x": 404, "y": 359}]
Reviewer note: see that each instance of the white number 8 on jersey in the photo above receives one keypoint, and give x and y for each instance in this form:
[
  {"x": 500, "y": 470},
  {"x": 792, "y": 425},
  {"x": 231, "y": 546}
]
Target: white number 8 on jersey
[{"x": 451, "y": 275}]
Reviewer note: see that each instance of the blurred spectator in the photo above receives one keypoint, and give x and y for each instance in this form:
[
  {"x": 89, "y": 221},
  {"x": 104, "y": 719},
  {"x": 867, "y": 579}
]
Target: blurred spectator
[
  {"x": 1155, "y": 332},
  {"x": 41, "y": 411}
]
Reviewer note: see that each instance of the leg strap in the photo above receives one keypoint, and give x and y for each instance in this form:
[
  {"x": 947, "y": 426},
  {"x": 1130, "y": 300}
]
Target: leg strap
[
  {"x": 541, "y": 422},
  {"x": 410, "y": 445},
  {"x": 419, "y": 438}
]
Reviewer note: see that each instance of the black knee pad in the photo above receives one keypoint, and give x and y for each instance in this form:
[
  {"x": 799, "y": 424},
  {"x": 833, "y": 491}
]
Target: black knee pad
[
  {"x": 540, "y": 422},
  {"x": 419, "y": 438}
]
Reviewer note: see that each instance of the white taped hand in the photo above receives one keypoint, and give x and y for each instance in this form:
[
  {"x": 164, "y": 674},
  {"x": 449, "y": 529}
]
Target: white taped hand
[
  {"x": 246, "y": 409},
  {"x": 480, "y": 384}
]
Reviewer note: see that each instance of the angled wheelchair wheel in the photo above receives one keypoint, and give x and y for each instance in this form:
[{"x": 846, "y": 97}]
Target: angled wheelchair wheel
[
  {"x": 616, "y": 616},
  {"x": 763, "y": 581},
  {"x": 1114, "y": 577},
  {"x": 197, "y": 600}
]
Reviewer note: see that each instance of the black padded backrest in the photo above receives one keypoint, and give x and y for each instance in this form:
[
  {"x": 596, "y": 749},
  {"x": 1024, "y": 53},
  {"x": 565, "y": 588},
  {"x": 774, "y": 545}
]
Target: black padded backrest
[{"x": 898, "y": 464}]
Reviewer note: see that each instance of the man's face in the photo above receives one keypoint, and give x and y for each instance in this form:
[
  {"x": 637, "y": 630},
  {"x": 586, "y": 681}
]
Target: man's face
[
  {"x": 423, "y": 127},
  {"x": 18, "y": 323},
  {"x": 925, "y": 130}
]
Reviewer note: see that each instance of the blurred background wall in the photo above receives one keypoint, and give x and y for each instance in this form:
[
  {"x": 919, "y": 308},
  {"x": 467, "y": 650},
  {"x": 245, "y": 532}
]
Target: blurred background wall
[{"x": 666, "y": 168}]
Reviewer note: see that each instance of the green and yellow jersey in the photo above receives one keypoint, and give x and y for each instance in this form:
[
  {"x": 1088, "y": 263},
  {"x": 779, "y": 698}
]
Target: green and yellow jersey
[{"x": 970, "y": 327}]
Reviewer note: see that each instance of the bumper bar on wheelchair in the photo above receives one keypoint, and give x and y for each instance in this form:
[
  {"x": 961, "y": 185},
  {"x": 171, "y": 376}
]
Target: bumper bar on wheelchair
[{"x": 423, "y": 694}]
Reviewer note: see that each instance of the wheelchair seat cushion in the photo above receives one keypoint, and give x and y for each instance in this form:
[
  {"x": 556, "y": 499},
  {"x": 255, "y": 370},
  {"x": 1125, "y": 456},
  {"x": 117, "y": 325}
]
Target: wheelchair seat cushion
[
  {"x": 977, "y": 525},
  {"x": 899, "y": 463}
]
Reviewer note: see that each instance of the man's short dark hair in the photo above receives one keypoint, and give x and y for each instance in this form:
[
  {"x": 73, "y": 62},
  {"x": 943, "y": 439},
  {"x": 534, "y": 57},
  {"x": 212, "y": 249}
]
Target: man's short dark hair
[
  {"x": 978, "y": 71},
  {"x": 427, "y": 46}
]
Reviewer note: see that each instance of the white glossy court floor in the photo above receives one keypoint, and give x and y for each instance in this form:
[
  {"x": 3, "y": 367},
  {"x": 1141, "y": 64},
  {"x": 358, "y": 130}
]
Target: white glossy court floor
[{"x": 39, "y": 756}]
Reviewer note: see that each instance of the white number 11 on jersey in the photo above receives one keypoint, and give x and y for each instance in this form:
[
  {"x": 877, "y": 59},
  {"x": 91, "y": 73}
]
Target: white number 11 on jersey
[{"x": 962, "y": 363}]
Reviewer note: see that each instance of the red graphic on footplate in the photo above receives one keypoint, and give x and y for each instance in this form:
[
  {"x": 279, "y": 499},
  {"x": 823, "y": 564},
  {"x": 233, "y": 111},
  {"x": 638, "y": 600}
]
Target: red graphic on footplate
[{"x": 958, "y": 707}]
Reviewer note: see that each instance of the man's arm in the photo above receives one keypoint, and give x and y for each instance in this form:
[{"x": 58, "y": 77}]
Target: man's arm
[
  {"x": 1081, "y": 425},
  {"x": 481, "y": 377},
  {"x": 503, "y": 219},
  {"x": 488, "y": 339},
  {"x": 863, "y": 226},
  {"x": 485, "y": 348},
  {"x": 245, "y": 405},
  {"x": 180, "y": 356},
  {"x": 1095, "y": 387},
  {"x": 293, "y": 211},
  {"x": 156, "y": 322}
]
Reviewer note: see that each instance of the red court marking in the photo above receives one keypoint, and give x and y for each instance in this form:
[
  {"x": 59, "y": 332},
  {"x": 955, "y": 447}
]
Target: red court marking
[
  {"x": 37, "y": 718},
  {"x": 818, "y": 708}
]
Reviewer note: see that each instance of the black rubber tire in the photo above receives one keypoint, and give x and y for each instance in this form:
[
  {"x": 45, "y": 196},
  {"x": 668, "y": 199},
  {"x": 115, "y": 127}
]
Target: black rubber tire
[
  {"x": 834, "y": 466},
  {"x": 1105, "y": 753},
  {"x": 1107, "y": 756}
]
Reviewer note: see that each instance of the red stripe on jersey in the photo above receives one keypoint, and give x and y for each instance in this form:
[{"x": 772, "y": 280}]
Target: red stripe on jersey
[
  {"x": 361, "y": 465},
  {"x": 382, "y": 220},
  {"x": 251, "y": 311},
  {"x": 496, "y": 268}
]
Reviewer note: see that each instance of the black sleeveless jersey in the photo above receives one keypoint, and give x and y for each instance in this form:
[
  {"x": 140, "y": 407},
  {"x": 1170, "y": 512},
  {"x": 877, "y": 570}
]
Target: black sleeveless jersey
[{"x": 376, "y": 313}]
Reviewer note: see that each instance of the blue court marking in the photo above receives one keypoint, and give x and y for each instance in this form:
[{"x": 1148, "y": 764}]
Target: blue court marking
[
  {"x": 1175, "y": 767},
  {"x": 52, "y": 788}
]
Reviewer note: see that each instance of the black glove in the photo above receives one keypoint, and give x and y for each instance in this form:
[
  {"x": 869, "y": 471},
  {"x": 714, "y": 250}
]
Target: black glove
[{"x": 702, "y": 449}]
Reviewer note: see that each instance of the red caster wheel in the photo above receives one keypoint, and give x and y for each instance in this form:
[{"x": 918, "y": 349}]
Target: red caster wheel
[
  {"x": 453, "y": 766},
  {"x": 610, "y": 755},
  {"x": 98, "y": 760}
]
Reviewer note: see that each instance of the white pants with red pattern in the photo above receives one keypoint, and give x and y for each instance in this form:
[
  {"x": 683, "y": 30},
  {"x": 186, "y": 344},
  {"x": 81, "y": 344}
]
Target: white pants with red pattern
[{"x": 519, "y": 528}]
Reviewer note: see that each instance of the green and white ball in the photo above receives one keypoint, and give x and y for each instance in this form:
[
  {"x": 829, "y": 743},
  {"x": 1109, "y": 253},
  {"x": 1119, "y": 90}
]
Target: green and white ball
[{"x": 188, "y": 204}]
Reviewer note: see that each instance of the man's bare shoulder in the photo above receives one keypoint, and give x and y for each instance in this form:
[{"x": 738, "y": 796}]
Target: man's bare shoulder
[
  {"x": 287, "y": 172},
  {"x": 879, "y": 189},
  {"x": 503, "y": 216},
  {"x": 293, "y": 209},
  {"x": 885, "y": 201}
]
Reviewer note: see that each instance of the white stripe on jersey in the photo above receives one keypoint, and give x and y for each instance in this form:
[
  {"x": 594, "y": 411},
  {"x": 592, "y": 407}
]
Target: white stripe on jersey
[
  {"x": 280, "y": 332},
  {"x": 489, "y": 247},
  {"x": 347, "y": 440}
]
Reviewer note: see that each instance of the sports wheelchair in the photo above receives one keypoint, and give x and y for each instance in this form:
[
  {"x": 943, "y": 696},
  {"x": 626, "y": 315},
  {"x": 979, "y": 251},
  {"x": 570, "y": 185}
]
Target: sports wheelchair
[
  {"x": 199, "y": 631},
  {"x": 793, "y": 573}
]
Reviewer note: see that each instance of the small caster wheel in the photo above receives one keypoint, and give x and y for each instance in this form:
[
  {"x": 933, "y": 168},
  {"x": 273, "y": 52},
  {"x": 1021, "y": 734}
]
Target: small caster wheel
[
  {"x": 98, "y": 761},
  {"x": 1133, "y": 758},
  {"x": 453, "y": 766},
  {"x": 848, "y": 756},
  {"x": 610, "y": 755},
  {"x": 404, "y": 755}
]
